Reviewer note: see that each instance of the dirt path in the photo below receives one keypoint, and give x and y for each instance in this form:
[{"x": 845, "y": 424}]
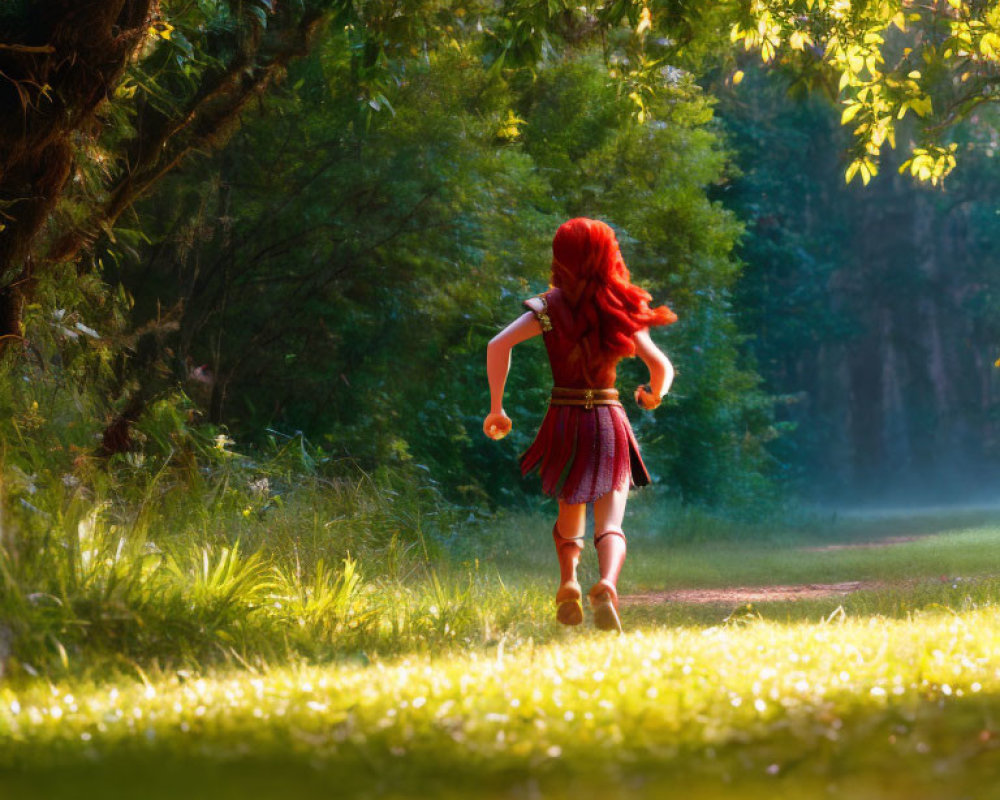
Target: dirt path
[
  {"x": 889, "y": 541},
  {"x": 735, "y": 595}
]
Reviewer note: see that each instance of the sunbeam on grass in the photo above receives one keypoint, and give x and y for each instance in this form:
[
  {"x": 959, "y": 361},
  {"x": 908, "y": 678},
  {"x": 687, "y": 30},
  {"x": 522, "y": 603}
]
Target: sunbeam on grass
[
  {"x": 175, "y": 665},
  {"x": 794, "y": 706}
]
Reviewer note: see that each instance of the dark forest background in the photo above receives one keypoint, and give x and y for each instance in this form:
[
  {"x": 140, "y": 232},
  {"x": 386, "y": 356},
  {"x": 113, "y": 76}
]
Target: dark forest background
[
  {"x": 325, "y": 259},
  {"x": 871, "y": 312},
  {"x": 340, "y": 278}
]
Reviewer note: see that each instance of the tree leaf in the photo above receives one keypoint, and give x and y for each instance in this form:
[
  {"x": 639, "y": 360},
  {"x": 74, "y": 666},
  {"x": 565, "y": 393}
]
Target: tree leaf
[{"x": 850, "y": 113}]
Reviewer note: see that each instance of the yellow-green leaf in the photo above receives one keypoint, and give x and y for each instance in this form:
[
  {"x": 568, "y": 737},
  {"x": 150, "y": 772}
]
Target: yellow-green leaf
[
  {"x": 922, "y": 106},
  {"x": 989, "y": 45},
  {"x": 850, "y": 113}
]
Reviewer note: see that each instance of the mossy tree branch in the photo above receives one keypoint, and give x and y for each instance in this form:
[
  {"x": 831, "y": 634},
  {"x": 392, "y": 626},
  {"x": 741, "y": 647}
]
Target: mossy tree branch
[{"x": 59, "y": 63}]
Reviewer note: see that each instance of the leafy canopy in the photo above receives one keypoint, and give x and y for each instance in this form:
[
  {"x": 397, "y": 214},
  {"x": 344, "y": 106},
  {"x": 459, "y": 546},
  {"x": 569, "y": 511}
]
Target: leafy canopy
[{"x": 886, "y": 61}]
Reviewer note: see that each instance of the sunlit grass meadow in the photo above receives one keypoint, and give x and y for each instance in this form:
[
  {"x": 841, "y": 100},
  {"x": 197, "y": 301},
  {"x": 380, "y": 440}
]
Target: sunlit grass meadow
[
  {"x": 763, "y": 707},
  {"x": 210, "y": 623},
  {"x": 418, "y": 657}
]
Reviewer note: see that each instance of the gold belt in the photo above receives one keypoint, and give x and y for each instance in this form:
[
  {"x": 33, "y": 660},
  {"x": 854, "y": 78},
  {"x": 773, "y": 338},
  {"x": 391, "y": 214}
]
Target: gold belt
[{"x": 588, "y": 398}]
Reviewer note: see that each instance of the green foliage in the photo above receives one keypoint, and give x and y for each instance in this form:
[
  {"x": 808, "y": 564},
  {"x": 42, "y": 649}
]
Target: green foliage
[
  {"x": 885, "y": 59},
  {"x": 184, "y": 550},
  {"x": 848, "y": 294},
  {"x": 161, "y": 572},
  {"x": 356, "y": 306}
]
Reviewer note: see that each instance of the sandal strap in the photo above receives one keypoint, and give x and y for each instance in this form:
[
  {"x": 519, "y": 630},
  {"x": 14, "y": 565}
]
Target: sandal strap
[
  {"x": 603, "y": 587},
  {"x": 561, "y": 540},
  {"x": 570, "y": 592},
  {"x": 611, "y": 532}
]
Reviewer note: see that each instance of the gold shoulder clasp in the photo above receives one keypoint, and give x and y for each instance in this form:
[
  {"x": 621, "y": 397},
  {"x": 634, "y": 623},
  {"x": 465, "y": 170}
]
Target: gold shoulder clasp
[{"x": 539, "y": 306}]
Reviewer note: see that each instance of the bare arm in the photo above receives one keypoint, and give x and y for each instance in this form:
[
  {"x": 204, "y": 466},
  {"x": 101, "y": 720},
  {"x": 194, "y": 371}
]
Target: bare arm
[
  {"x": 661, "y": 371},
  {"x": 524, "y": 327}
]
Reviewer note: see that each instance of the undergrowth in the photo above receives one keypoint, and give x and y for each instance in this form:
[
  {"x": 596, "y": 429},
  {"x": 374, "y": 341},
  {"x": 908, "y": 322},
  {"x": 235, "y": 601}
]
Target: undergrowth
[{"x": 191, "y": 550}]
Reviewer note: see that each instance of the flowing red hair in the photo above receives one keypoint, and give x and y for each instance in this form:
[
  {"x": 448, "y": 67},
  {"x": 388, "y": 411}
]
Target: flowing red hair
[{"x": 587, "y": 266}]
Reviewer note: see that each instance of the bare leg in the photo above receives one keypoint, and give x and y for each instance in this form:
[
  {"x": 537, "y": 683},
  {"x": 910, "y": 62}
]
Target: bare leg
[
  {"x": 609, "y": 541},
  {"x": 609, "y": 511},
  {"x": 567, "y": 534}
]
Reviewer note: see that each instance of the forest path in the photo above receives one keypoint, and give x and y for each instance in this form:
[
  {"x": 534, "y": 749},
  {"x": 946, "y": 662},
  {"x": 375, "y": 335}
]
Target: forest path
[
  {"x": 736, "y": 595},
  {"x": 790, "y": 592}
]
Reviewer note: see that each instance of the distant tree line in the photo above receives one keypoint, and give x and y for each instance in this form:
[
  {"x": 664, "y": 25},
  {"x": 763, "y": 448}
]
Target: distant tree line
[{"x": 301, "y": 214}]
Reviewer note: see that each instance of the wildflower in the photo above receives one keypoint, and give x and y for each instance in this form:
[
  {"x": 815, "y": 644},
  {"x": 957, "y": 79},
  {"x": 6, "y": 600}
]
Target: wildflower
[
  {"x": 222, "y": 441},
  {"x": 162, "y": 29}
]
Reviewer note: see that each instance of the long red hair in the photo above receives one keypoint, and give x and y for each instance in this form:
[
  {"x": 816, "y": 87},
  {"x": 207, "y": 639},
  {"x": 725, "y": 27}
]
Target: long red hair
[{"x": 587, "y": 266}]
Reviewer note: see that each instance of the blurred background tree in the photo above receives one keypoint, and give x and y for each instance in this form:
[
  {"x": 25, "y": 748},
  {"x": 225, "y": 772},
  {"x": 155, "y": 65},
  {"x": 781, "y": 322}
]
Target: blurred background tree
[
  {"x": 872, "y": 312},
  {"x": 309, "y": 217},
  {"x": 341, "y": 276}
]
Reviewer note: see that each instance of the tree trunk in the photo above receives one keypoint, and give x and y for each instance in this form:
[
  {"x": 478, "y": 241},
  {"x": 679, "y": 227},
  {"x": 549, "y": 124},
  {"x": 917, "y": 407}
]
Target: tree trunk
[{"x": 59, "y": 62}]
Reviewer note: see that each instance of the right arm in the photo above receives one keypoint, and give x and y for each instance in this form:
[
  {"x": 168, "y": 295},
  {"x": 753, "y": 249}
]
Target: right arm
[
  {"x": 497, "y": 423},
  {"x": 661, "y": 371}
]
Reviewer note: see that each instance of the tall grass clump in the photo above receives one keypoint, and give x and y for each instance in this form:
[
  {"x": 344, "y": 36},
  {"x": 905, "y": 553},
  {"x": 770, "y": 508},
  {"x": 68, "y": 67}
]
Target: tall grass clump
[
  {"x": 190, "y": 549},
  {"x": 200, "y": 553}
]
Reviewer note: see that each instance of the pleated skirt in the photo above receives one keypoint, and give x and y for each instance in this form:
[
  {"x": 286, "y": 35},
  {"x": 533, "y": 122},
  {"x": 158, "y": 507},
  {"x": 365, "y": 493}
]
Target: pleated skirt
[{"x": 583, "y": 453}]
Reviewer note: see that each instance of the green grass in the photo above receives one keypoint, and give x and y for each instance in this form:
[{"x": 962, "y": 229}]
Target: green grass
[
  {"x": 766, "y": 706},
  {"x": 952, "y": 547},
  {"x": 887, "y": 693},
  {"x": 949, "y": 562}
]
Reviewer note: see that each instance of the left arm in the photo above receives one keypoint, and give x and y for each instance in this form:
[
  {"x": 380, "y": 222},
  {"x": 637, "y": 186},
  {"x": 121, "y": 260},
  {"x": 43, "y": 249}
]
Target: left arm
[
  {"x": 497, "y": 423},
  {"x": 661, "y": 371}
]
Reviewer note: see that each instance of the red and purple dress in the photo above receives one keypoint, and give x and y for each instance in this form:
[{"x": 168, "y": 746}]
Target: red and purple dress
[{"x": 582, "y": 451}]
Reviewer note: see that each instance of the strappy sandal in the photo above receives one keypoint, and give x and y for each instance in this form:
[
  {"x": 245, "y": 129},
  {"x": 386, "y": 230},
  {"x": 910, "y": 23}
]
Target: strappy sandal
[
  {"x": 604, "y": 602},
  {"x": 569, "y": 605}
]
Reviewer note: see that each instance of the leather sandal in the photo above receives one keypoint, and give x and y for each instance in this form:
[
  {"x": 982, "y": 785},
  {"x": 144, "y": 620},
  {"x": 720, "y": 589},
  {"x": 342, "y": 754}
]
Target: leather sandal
[
  {"x": 569, "y": 608},
  {"x": 569, "y": 605},
  {"x": 604, "y": 602}
]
